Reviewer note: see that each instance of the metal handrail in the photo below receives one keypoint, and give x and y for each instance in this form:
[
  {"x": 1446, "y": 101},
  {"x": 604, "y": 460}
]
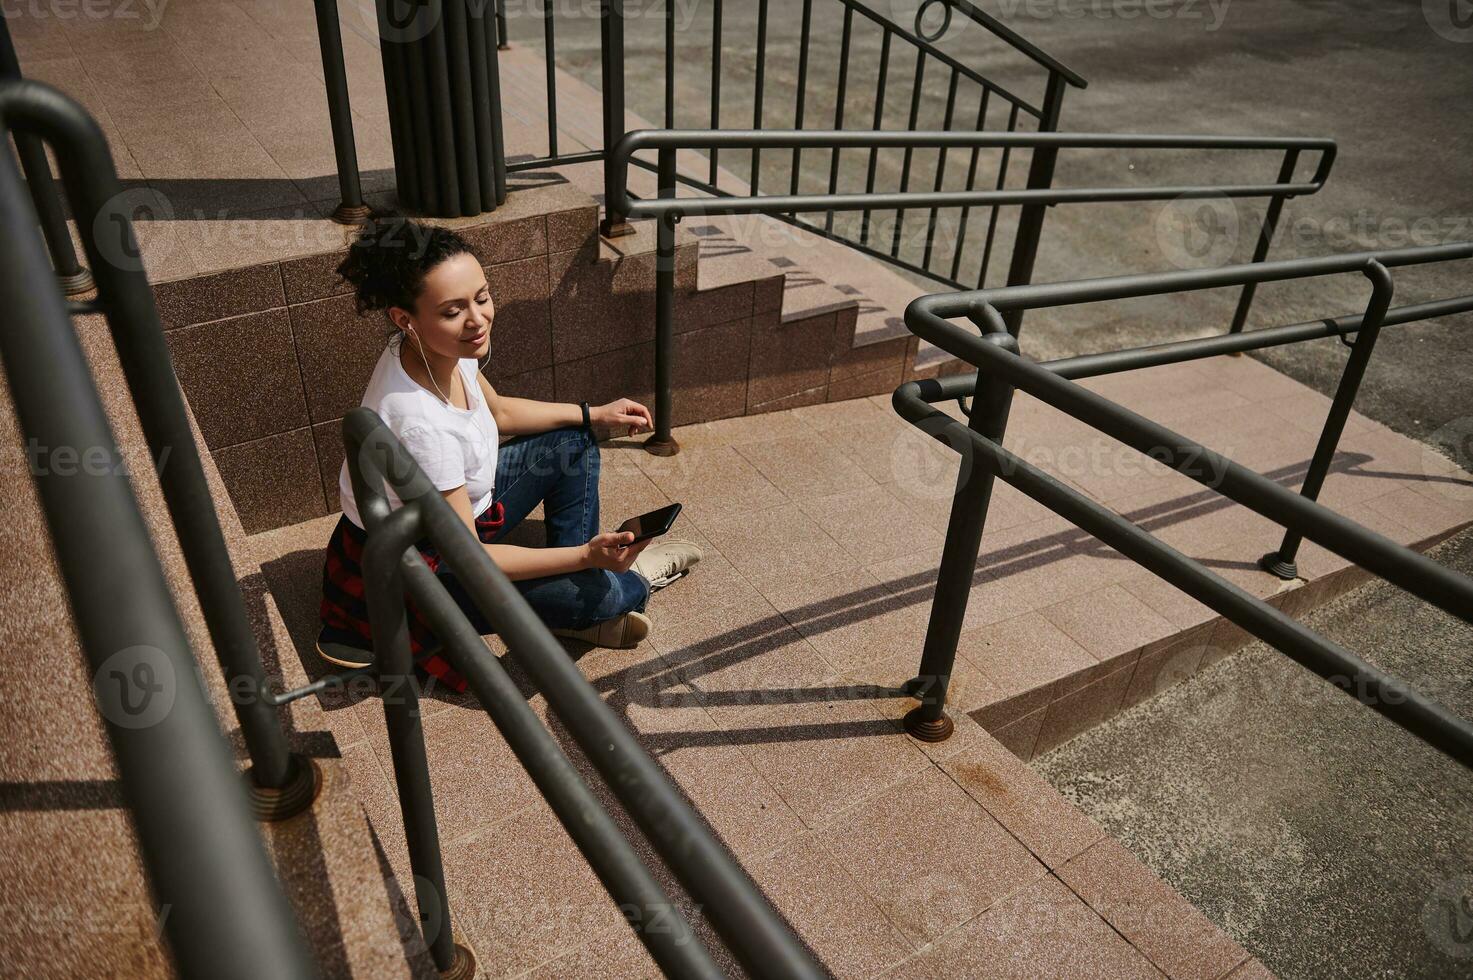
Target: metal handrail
[
  {"x": 75, "y": 280},
  {"x": 922, "y": 44},
  {"x": 761, "y": 940},
  {"x": 351, "y": 209},
  {"x": 1017, "y": 40},
  {"x": 206, "y": 865},
  {"x": 611, "y": 49},
  {"x": 1001, "y": 370},
  {"x": 281, "y": 783},
  {"x": 646, "y": 139},
  {"x": 666, "y": 208}
]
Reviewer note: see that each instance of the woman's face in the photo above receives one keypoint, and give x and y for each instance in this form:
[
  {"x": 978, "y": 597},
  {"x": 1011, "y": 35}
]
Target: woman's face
[{"x": 453, "y": 314}]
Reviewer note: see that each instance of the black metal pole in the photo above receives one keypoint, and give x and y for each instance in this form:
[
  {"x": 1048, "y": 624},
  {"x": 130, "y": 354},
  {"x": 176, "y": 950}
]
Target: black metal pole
[
  {"x": 350, "y": 210},
  {"x": 659, "y": 924},
  {"x": 928, "y": 721},
  {"x": 1265, "y": 239},
  {"x": 1030, "y": 219},
  {"x": 396, "y": 79},
  {"x": 1379, "y": 691},
  {"x": 226, "y": 915},
  {"x": 611, "y": 42},
  {"x": 458, "y": 41},
  {"x": 493, "y": 87},
  {"x": 662, "y": 443},
  {"x": 383, "y": 582},
  {"x": 283, "y": 784},
  {"x": 441, "y": 80},
  {"x": 71, "y": 275},
  {"x": 1281, "y": 562},
  {"x": 481, "y": 53},
  {"x": 503, "y": 42},
  {"x": 762, "y": 942}
]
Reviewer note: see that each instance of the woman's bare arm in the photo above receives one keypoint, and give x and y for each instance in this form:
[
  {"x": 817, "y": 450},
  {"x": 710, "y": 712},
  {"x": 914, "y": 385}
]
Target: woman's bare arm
[{"x": 527, "y": 416}]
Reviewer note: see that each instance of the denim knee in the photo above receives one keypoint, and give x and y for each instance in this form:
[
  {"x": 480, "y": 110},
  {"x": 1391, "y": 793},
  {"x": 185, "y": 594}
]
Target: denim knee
[{"x": 625, "y": 592}]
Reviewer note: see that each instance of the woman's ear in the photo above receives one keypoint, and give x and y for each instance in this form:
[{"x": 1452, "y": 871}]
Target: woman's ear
[{"x": 399, "y": 317}]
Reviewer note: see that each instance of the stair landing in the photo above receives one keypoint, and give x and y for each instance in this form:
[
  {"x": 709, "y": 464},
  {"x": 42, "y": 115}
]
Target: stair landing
[{"x": 768, "y": 688}]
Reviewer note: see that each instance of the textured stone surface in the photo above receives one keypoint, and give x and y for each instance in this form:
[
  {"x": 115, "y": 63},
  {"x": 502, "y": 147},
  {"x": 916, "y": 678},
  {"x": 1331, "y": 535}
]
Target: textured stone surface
[
  {"x": 1176, "y": 937},
  {"x": 200, "y": 299},
  {"x": 273, "y": 481},
  {"x": 211, "y": 358},
  {"x": 337, "y": 350},
  {"x": 521, "y": 334},
  {"x": 79, "y": 897}
]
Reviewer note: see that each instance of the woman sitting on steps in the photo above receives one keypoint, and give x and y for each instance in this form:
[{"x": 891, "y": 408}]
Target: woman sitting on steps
[{"x": 427, "y": 387}]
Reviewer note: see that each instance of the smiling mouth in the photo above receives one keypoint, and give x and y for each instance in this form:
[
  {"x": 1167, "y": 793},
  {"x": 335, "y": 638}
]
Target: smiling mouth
[{"x": 477, "y": 338}]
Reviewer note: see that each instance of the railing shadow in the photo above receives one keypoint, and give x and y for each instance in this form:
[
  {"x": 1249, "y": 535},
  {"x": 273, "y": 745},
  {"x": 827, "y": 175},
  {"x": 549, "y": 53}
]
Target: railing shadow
[{"x": 671, "y": 680}]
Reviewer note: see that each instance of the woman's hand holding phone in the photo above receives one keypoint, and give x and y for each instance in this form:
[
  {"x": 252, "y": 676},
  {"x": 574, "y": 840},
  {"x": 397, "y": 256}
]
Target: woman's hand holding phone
[{"x": 612, "y": 551}]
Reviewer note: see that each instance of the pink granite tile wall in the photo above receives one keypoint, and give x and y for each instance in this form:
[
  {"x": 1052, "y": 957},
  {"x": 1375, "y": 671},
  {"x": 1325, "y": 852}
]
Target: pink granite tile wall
[{"x": 272, "y": 356}]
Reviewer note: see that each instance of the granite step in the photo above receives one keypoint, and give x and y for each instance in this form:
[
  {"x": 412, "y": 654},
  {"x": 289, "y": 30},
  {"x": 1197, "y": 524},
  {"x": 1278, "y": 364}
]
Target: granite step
[
  {"x": 763, "y": 691},
  {"x": 73, "y": 865}
]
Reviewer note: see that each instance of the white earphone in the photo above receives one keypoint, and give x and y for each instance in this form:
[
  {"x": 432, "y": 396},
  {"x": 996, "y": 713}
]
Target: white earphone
[{"x": 480, "y": 365}]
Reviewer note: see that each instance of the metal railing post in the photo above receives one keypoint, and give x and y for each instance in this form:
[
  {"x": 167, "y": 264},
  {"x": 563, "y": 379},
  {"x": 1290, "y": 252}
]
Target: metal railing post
[
  {"x": 611, "y": 49},
  {"x": 662, "y": 443},
  {"x": 502, "y": 44},
  {"x": 203, "y": 855},
  {"x": 73, "y": 278},
  {"x": 383, "y": 582},
  {"x": 1265, "y": 238},
  {"x": 350, "y": 210},
  {"x": 282, "y": 784},
  {"x": 928, "y": 721},
  {"x": 1281, "y": 562},
  {"x": 1030, "y": 219}
]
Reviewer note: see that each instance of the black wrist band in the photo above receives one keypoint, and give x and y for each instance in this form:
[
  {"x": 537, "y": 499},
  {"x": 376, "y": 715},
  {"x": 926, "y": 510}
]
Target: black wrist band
[{"x": 587, "y": 419}]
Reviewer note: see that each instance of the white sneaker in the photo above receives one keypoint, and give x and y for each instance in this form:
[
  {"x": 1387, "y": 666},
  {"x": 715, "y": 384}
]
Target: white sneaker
[
  {"x": 665, "y": 561},
  {"x": 619, "y": 633}
]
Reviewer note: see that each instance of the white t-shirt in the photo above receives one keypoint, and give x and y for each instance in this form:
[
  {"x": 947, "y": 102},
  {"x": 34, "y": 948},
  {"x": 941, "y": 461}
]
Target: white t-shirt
[{"x": 454, "y": 446}]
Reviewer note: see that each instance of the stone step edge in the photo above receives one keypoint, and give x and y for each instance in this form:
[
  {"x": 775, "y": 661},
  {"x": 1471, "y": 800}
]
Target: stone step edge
[{"x": 1020, "y": 721}]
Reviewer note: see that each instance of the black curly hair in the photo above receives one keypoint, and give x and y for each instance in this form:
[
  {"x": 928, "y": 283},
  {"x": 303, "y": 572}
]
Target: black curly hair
[{"x": 388, "y": 262}]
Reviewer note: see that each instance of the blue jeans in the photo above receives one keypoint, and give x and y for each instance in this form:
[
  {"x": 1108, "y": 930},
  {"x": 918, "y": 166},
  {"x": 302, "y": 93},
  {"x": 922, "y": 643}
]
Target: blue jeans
[{"x": 558, "y": 469}]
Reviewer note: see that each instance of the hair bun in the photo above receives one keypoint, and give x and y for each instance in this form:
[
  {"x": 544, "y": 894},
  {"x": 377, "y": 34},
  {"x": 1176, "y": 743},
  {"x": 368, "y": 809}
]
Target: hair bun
[{"x": 387, "y": 262}]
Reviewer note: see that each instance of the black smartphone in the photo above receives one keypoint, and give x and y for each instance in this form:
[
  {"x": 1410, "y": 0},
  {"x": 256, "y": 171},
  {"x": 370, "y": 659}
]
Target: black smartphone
[{"x": 651, "y": 525}]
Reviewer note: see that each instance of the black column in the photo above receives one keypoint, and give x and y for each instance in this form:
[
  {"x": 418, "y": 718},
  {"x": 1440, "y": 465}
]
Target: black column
[{"x": 440, "y": 75}]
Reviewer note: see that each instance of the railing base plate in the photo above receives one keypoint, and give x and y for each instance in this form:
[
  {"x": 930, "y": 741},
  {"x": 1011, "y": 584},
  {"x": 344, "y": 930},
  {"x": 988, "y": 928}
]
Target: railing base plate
[
  {"x": 78, "y": 284},
  {"x": 464, "y": 966},
  {"x": 288, "y": 801},
  {"x": 1274, "y": 565},
  {"x": 351, "y": 214},
  {"x": 657, "y": 446},
  {"x": 928, "y": 729},
  {"x": 614, "y": 229}
]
